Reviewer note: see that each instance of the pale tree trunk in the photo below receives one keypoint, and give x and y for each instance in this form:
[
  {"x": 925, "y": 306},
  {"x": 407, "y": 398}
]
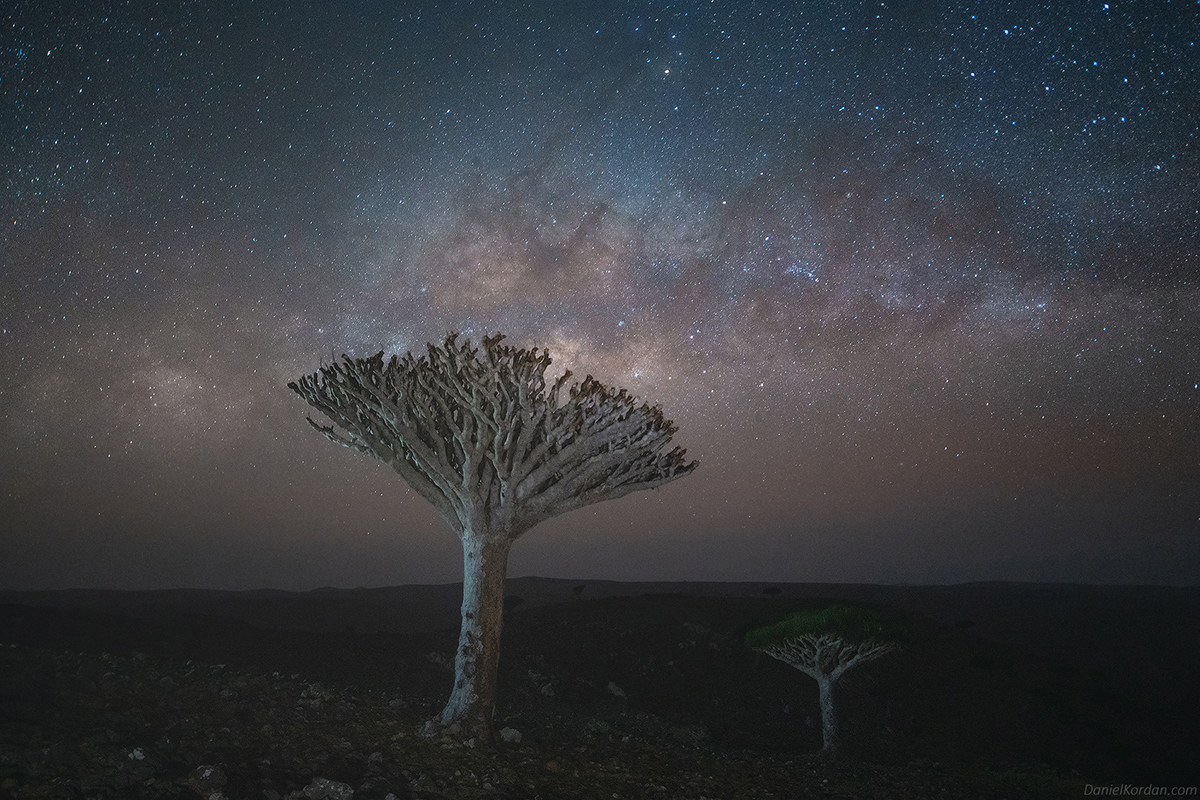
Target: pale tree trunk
[
  {"x": 829, "y": 723},
  {"x": 471, "y": 704}
]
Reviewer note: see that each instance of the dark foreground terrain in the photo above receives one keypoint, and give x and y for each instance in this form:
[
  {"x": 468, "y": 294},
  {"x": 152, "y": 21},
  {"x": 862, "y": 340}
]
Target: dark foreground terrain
[{"x": 616, "y": 690}]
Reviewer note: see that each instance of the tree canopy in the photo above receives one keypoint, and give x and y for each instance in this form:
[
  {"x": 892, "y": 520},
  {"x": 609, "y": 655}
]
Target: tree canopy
[
  {"x": 480, "y": 434},
  {"x": 852, "y": 624}
]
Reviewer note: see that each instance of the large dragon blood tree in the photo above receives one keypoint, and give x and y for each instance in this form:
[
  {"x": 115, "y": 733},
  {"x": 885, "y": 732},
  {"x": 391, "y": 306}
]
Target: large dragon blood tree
[{"x": 479, "y": 434}]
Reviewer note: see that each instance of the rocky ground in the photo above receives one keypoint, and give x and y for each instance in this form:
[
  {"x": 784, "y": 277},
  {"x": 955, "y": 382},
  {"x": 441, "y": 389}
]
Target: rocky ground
[
  {"x": 595, "y": 704},
  {"x": 113, "y": 726}
]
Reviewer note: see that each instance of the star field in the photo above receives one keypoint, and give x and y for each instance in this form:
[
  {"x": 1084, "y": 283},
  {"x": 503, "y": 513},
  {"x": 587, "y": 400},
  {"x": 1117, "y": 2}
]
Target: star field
[{"x": 918, "y": 284}]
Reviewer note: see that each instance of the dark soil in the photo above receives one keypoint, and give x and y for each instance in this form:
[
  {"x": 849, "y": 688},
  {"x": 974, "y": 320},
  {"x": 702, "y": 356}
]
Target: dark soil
[{"x": 626, "y": 697}]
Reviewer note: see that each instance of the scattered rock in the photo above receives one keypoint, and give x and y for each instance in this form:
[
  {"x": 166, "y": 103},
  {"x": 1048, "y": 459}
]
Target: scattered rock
[
  {"x": 615, "y": 690},
  {"x": 324, "y": 789},
  {"x": 689, "y": 734},
  {"x": 510, "y": 735},
  {"x": 545, "y": 685},
  {"x": 207, "y": 779}
]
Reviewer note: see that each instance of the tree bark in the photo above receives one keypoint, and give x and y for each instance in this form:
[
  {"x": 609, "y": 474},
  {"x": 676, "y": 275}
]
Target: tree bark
[
  {"x": 473, "y": 700},
  {"x": 829, "y": 723}
]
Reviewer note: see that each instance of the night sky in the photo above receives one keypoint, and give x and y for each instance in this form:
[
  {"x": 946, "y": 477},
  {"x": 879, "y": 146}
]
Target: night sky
[{"x": 919, "y": 285}]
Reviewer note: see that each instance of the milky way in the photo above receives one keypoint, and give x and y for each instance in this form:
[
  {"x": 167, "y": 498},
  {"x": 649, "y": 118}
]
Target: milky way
[{"x": 919, "y": 286}]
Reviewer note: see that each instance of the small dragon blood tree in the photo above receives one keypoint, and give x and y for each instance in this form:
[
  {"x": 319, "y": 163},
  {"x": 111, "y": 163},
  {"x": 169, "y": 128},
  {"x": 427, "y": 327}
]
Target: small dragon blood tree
[
  {"x": 479, "y": 434},
  {"x": 824, "y": 644}
]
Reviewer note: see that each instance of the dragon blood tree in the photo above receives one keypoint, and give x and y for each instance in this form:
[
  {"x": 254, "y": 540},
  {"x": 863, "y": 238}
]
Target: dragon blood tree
[
  {"x": 824, "y": 644},
  {"x": 479, "y": 434}
]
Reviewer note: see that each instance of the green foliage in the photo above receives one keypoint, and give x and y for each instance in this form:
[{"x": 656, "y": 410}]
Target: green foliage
[{"x": 851, "y": 623}]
